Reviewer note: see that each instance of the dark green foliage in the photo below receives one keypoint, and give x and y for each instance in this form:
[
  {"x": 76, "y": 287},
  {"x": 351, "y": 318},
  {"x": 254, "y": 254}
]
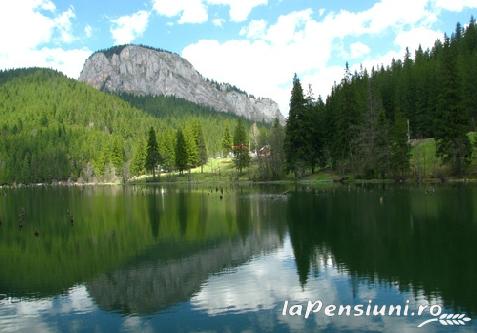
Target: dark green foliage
[
  {"x": 295, "y": 142},
  {"x": 152, "y": 152},
  {"x": 271, "y": 156},
  {"x": 226, "y": 143},
  {"x": 55, "y": 128},
  {"x": 241, "y": 147},
  {"x": 435, "y": 92},
  {"x": 175, "y": 113},
  {"x": 138, "y": 163},
  {"x": 400, "y": 147},
  {"x": 181, "y": 157},
  {"x": 453, "y": 145},
  {"x": 371, "y": 151},
  {"x": 202, "y": 147}
]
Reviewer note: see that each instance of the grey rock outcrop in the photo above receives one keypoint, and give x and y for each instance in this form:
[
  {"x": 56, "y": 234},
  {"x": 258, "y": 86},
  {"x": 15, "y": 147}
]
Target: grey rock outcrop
[{"x": 145, "y": 71}]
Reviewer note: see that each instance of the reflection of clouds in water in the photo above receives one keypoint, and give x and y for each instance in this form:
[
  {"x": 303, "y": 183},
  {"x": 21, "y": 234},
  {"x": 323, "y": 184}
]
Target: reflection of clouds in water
[
  {"x": 263, "y": 283},
  {"x": 266, "y": 282},
  {"x": 31, "y": 315}
]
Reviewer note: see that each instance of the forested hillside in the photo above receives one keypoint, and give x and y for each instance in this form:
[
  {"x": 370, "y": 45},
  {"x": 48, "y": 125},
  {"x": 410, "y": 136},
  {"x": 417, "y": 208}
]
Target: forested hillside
[
  {"x": 55, "y": 128},
  {"x": 367, "y": 125}
]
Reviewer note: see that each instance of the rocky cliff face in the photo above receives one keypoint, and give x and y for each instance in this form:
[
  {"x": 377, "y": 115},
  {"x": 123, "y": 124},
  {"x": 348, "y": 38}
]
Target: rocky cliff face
[{"x": 145, "y": 71}]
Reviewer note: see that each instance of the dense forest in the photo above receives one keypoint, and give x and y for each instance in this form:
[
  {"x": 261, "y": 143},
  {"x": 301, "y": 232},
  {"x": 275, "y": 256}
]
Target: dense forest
[
  {"x": 367, "y": 125},
  {"x": 55, "y": 128}
]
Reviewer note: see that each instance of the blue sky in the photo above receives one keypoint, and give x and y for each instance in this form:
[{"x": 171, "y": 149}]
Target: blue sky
[{"x": 254, "y": 44}]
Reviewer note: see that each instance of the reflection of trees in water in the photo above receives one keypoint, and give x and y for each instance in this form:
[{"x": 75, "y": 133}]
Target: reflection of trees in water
[
  {"x": 154, "y": 212},
  {"x": 424, "y": 240},
  {"x": 155, "y": 285},
  {"x": 169, "y": 274}
]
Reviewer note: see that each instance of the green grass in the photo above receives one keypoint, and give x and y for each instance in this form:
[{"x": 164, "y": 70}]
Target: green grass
[{"x": 424, "y": 165}]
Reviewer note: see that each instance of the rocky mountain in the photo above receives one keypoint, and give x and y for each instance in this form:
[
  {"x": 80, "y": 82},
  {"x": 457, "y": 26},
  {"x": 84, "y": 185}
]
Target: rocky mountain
[{"x": 143, "y": 70}]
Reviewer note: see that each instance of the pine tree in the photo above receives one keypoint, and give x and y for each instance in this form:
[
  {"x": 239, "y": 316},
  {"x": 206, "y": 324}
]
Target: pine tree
[
  {"x": 453, "y": 144},
  {"x": 152, "y": 153},
  {"x": 138, "y": 163},
  {"x": 203, "y": 155},
  {"x": 277, "y": 153},
  {"x": 181, "y": 152},
  {"x": 192, "y": 148},
  {"x": 240, "y": 148},
  {"x": 226, "y": 143},
  {"x": 400, "y": 147},
  {"x": 371, "y": 148},
  {"x": 294, "y": 139}
]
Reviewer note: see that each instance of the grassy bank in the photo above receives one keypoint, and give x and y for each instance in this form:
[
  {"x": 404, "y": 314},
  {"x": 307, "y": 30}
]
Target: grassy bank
[{"x": 425, "y": 167}]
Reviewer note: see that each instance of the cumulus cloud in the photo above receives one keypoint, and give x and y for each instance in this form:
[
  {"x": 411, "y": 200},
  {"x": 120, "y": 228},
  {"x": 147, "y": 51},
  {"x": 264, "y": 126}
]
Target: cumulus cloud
[
  {"x": 255, "y": 29},
  {"x": 64, "y": 25},
  {"x": 127, "y": 28},
  {"x": 456, "y": 5},
  {"x": 358, "y": 49},
  {"x": 306, "y": 42},
  {"x": 88, "y": 31},
  {"x": 28, "y": 27},
  {"x": 218, "y": 22},
  {"x": 196, "y": 11},
  {"x": 239, "y": 10},
  {"x": 423, "y": 36},
  {"x": 190, "y": 11}
]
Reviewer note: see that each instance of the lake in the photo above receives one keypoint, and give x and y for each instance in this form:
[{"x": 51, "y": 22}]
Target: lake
[{"x": 194, "y": 259}]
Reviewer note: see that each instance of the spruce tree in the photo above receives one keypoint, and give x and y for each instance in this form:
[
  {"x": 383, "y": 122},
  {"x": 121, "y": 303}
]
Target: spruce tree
[
  {"x": 400, "y": 147},
  {"x": 226, "y": 143},
  {"x": 152, "y": 153},
  {"x": 203, "y": 155},
  {"x": 453, "y": 144},
  {"x": 139, "y": 159},
  {"x": 295, "y": 142},
  {"x": 181, "y": 152},
  {"x": 240, "y": 147}
]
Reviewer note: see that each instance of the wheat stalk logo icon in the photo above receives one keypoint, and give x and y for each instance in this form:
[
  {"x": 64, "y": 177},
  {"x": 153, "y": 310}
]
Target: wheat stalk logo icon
[{"x": 449, "y": 320}]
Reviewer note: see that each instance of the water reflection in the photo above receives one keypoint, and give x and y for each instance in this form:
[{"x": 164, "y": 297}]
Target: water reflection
[{"x": 182, "y": 259}]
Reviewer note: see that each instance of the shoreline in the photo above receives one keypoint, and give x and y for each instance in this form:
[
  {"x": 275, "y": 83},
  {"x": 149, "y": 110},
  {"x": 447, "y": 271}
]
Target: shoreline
[{"x": 303, "y": 181}]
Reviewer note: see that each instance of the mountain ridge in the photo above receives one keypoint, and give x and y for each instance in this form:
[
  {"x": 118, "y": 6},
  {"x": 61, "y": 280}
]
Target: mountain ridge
[{"x": 148, "y": 71}]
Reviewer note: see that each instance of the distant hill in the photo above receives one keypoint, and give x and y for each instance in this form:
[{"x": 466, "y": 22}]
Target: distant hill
[
  {"x": 56, "y": 128},
  {"x": 147, "y": 71}
]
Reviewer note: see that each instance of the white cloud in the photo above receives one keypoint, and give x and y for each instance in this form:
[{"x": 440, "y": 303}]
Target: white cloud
[
  {"x": 125, "y": 29},
  {"x": 32, "y": 25},
  {"x": 239, "y": 9},
  {"x": 218, "y": 22},
  {"x": 88, "y": 31},
  {"x": 455, "y": 5},
  {"x": 358, "y": 49},
  {"x": 196, "y": 11},
  {"x": 190, "y": 11},
  {"x": 64, "y": 25},
  {"x": 255, "y": 29},
  {"x": 418, "y": 36},
  {"x": 305, "y": 42}
]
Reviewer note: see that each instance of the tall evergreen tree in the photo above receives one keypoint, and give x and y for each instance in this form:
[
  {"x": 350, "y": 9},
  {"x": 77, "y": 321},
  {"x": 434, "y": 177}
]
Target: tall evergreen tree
[
  {"x": 400, "y": 147},
  {"x": 240, "y": 147},
  {"x": 202, "y": 147},
  {"x": 152, "y": 153},
  {"x": 181, "y": 152},
  {"x": 295, "y": 142},
  {"x": 226, "y": 143},
  {"x": 453, "y": 144},
  {"x": 138, "y": 164}
]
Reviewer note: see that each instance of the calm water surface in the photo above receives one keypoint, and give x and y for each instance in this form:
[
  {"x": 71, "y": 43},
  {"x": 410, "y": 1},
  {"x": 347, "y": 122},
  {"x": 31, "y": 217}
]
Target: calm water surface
[{"x": 170, "y": 259}]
